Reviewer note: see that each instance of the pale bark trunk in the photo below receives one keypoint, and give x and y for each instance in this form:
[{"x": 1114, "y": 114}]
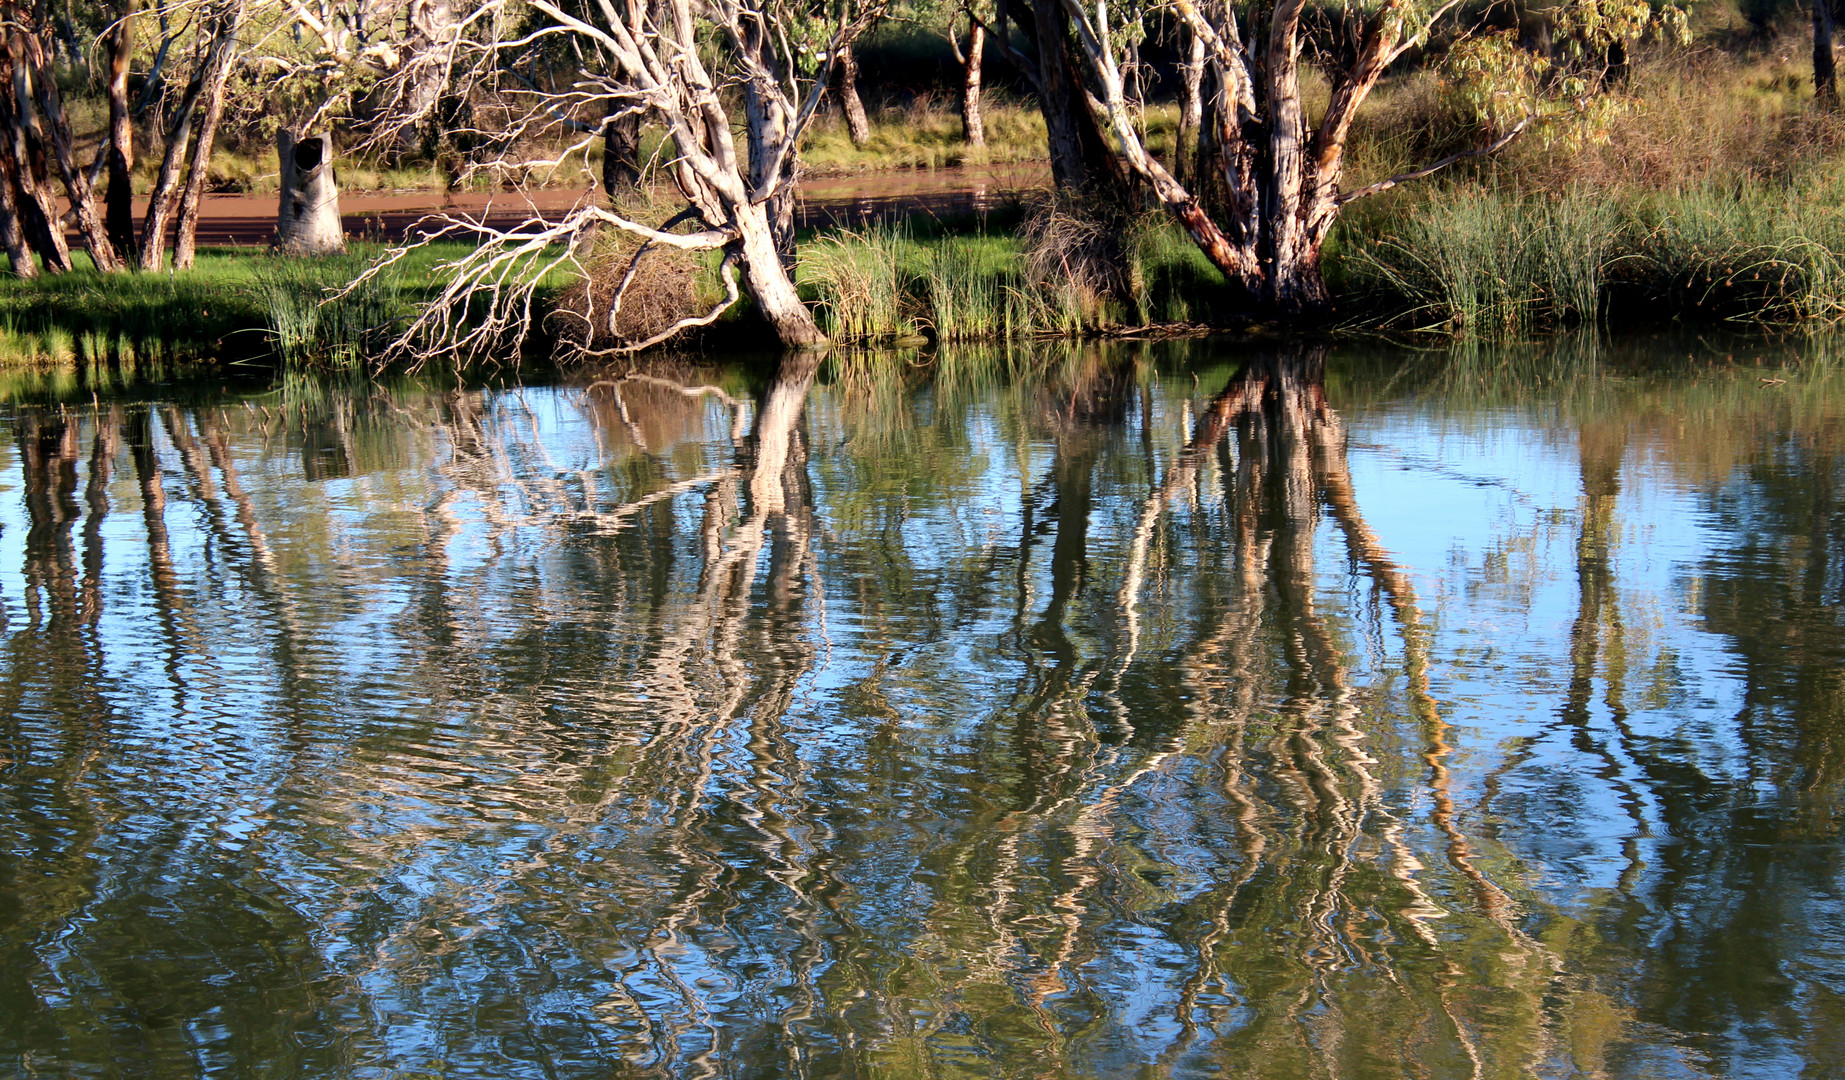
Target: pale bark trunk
[
  {"x": 858, "y": 125},
  {"x": 1191, "y": 112},
  {"x": 972, "y": 125},
  {"x": 186, "y": 243},
  {"x": 770, "y": 123},
  {"x": 308, "y": 217},
  {"x": 432, "y": 23},
  {"x": 770, "y": 284},
  {"x": 160, "y": 199},
  {"x": 119, "y": 206},
  {"x": 1825, "y": 78},
  {"x": 1292, "y": 263}
]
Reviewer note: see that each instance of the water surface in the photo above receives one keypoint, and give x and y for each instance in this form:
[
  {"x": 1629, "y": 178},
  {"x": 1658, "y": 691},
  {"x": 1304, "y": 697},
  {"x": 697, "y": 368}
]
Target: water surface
[{"x": 1195, "y": 711}]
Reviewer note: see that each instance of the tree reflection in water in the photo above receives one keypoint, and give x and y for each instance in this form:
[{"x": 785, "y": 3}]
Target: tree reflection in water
[{"x": 1085, "y": 725}]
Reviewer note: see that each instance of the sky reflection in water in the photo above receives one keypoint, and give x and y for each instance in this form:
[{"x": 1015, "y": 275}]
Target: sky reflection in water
[{"x": 1478, "y": 717}]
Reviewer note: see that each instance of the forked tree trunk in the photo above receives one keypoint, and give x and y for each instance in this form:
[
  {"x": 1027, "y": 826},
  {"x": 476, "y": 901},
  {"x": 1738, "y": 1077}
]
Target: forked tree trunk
[
  {"x": 208, "y": 83},
  {"x": 119, "y": 204},
  {"x": 308, "y": 218},
  {"x": 973, "y": 128},
  {"x": 858, "y": 125},
  {"x": 32, "y": 64},
  {"x": 36, "y": 204},
  {"x": 1825, "y": 77},
  {"x": 12, "y": 234},
  {"x": 1281, "y": 178},
  {"x": 166, "y": 181},
  {"x": 186, "y": 243}
]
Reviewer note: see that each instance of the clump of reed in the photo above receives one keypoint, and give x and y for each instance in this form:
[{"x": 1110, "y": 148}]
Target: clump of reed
[
  {"x": 1487, "y": 263},
  {"x": 1060, "y": 278},
  {"x": 1499, "y": 264},
  {"x": 328, "y": 313}
]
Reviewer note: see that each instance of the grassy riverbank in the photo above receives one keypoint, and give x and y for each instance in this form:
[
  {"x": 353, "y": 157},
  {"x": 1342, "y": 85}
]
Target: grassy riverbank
[
  {"x": 231, "y": 306},
  {"x": 1712, "y": 192}
]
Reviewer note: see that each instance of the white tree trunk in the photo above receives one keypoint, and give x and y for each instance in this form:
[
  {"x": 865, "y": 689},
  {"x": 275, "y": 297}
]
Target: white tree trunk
[
  {"x": 308, "y": 219},
  {"x": 770, "y": 283}
]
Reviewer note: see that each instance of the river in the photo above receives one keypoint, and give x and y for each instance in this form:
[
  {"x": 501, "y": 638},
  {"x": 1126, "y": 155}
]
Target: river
[{"x": 1194, "y": 709}]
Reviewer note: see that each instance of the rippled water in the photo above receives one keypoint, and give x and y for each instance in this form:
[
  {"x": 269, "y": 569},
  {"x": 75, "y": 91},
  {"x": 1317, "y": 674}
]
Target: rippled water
[{"x": 1173, "y": 712}]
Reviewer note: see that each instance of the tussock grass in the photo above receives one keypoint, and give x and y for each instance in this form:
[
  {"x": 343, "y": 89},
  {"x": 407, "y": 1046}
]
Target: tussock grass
[
  {"x": 885, "y": 283},
  {"x": 316, "y": 321},
  {"x": 1499, "y": 264}
]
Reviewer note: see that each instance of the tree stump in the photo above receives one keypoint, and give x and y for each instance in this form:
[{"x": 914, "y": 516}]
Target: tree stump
[{"x": 308, "y": 220}]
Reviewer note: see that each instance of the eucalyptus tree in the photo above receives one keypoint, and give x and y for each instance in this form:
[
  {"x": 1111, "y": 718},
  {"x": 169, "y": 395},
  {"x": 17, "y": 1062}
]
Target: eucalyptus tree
[
  {"x": 1283, "y": 169},
  {"x": 946, "y": 18},
  {"x": 189, "y": 116},
  {"x": 733, "y": 83}
]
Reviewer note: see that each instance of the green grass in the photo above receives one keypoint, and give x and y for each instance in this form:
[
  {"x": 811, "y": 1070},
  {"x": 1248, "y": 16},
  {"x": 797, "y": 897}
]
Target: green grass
[
  {"x": 1495, "y": 263},
  {"x": 232, "y": 305},
  {"x": 886, "y": 283},
  {"x": 926, "y": 137}
]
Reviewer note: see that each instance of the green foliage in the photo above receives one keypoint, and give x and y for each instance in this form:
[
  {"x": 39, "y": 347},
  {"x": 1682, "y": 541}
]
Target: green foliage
[
  {"x": 1497, "y": 82},
  {"x": 1491, "y": 263}
]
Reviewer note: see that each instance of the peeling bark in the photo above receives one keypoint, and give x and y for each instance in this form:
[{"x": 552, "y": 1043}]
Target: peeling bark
[
  {"x": 1274, "y": 180},
  {"x": 973, "y": 127}
]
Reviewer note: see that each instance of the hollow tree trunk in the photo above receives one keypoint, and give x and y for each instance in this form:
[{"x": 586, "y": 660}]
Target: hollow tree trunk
[
  {"x": 308, "y": 217},
  {"x": 973, "y": 128},
  {"x": 1825, "y": 78},
  {"x": 621, "y": 153},
  {"x": 119, "y": 201},
  {"x": 845, "y": 85}
]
